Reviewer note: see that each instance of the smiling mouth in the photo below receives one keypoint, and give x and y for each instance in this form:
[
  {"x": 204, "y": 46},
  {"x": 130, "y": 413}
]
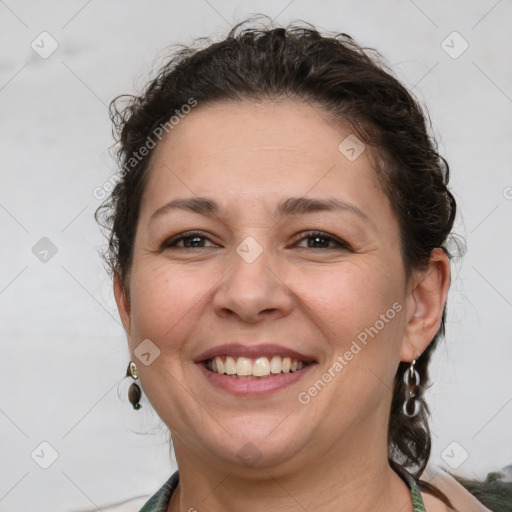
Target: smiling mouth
[{"x": 254, "y": 368}]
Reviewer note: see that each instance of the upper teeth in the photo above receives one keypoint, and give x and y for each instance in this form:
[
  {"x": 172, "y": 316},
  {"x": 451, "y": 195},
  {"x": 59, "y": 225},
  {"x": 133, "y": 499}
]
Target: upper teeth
[{"x": 258, "y": 367}]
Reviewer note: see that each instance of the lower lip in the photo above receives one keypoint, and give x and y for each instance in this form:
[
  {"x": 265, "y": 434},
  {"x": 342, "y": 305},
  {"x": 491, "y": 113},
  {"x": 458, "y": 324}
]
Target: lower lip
[{"x": 261, "y": 386}]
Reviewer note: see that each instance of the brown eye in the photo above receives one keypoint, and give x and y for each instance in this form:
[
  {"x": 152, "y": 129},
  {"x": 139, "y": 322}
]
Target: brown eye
[
  {"x": 323, "y": 239},
  {"x": 190, "y": 239}
]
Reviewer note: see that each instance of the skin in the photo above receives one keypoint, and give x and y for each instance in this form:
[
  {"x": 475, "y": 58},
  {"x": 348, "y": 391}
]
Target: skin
[{"x": 329, "y": 454}]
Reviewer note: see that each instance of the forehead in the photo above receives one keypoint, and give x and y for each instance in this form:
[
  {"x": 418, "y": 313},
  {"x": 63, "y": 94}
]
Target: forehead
[{"x": 240, "y": 152}]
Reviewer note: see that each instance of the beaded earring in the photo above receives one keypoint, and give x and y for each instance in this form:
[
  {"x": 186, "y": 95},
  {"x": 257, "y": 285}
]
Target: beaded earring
[
  {"x": 412, "y": 381},
  {"x": 134, "y": 393}
]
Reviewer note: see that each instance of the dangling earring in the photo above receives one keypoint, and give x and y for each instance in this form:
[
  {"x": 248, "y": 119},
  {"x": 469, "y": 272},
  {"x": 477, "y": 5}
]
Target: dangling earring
[
  {"x": 134, "y": 392},
  {"x": 411, "y": 374}
]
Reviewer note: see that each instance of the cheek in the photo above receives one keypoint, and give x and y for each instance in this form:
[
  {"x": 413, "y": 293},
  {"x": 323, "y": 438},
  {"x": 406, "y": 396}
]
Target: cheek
[
  {"x": 357, "y": 311},
  {"x": 164, "y": 300},
  {"x": 350, "y": 297}
]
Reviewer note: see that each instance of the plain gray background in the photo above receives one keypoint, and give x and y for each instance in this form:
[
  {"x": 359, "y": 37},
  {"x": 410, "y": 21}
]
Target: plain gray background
[{"x": 63, "y": 350}]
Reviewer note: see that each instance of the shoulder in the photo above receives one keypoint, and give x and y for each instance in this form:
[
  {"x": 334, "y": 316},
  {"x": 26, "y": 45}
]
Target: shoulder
[{"x": 460, "y": 497}]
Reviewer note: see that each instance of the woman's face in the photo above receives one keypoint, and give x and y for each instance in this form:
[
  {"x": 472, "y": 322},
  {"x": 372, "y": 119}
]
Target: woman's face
[{"x": 254, "y": 277}]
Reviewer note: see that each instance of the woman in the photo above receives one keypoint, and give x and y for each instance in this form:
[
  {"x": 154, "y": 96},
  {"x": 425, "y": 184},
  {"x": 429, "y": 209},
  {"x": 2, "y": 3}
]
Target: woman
[{"x": 277, "y": 250}]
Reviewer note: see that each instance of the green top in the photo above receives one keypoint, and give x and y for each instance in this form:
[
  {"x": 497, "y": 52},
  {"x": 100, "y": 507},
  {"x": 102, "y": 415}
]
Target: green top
[{"x": 159, "y": 502}]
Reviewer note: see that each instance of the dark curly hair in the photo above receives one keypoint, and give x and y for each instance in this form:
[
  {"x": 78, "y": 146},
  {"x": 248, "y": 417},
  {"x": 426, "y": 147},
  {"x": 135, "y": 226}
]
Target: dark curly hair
[{"x": 353, "y": 86}]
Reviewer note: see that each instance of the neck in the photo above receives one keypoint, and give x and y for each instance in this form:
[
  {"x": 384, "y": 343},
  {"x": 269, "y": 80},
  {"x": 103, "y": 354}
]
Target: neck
[{"x": 345, "y": 479}]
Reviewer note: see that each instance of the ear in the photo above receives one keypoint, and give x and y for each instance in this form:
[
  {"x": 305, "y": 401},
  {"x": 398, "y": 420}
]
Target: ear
[
  {"x": 123, "y": 305},
  {"x": 425, "y": 302}
]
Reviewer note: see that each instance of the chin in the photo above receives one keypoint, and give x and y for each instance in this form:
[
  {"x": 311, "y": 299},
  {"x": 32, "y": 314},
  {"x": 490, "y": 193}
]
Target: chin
[{"x": 259, "y": 447}]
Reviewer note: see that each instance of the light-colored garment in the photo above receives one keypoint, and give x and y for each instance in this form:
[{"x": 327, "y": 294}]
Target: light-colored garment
[{"x": 460, "y": 497}]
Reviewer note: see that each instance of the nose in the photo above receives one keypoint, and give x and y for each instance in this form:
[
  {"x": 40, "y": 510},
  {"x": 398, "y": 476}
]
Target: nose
[{"x": 254, "y": 287}]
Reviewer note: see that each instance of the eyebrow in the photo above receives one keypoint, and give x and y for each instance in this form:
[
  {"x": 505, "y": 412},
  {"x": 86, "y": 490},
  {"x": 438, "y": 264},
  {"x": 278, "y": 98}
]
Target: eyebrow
[{"x": 291, "y": 206}]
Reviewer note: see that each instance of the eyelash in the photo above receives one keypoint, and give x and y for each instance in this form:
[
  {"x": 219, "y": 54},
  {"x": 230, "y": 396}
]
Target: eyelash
[{"x": 171, "y": 243}]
